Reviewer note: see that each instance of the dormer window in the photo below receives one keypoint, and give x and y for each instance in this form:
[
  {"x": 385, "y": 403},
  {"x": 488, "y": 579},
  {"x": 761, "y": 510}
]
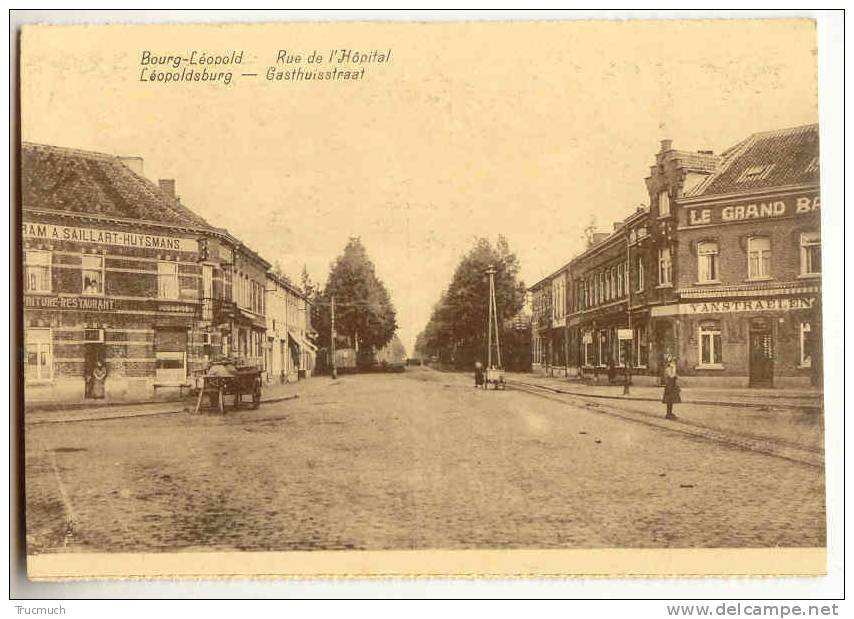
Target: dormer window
[
  {"x": 756, "y": 173},
  {"x": 663, "y": 204}
]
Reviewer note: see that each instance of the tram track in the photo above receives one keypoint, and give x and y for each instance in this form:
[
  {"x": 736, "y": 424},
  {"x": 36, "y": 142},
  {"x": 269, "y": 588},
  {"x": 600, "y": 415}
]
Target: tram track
[{"x": 779, "y": 448}]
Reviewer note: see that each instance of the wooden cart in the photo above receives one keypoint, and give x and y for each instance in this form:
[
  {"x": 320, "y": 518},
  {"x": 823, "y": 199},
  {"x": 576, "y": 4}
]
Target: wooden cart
[
  {"x": 224, "y": 378},
  {"x": 494, "y": 377}
]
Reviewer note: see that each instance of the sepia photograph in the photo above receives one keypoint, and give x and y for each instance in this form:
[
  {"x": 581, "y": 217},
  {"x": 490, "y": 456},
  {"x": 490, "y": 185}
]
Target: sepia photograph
[{"x": 462, "y": 298}]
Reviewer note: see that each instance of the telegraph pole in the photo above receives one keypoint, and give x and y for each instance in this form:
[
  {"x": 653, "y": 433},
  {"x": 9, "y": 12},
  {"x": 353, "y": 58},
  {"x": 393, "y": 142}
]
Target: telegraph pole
[{"x": 332, "y": 340}]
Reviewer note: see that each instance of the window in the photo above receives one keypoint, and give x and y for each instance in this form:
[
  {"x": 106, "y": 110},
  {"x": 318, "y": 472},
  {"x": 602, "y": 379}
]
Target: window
[
  {"x": 38, "y": 362},
  {"x": 707, "y": 261},
  {"x": 810, "y": 253},
  {"x": 755, "y": 173},
  {"x": 665, "y": 267},
  {"x": 710, "y": 344},
  {"x": 806, "y": 345},
  {"x": 608, "y": 285},
  {"x": 170, "y": 367},
  {"x": 167, "y": 280},
  {"x": 639, "y": 287},
  {"x": 37, "y": 268},
  {"x": 93, "y": 274},
  {"x": 613, "y": 274},
  {"x": 758, "y": 257},
  {"x": 601, "y": 287},
  {"x": 207, "y": 281},
  {"x": 663, "y": 204}
]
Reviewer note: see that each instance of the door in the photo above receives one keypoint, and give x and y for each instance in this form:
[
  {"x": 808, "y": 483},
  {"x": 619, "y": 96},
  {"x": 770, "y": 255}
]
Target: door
[
  {"x": 93, "y": 353},
  {"x": 761, "y": 354}
]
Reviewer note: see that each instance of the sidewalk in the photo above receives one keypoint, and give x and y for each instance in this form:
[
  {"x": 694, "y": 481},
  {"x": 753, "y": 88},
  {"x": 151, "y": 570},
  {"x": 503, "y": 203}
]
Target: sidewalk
[
  {"x": 761, "y": 398},
  {"x": 54, "y": 414}
]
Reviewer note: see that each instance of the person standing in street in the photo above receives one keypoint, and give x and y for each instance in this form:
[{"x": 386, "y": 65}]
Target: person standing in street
[
  {"x": 478, "y": 374},
  {"x": 671, "y": 388}
]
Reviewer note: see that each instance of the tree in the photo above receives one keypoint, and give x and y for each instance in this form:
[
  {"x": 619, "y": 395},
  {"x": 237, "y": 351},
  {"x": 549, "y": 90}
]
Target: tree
[
  {"x": 364, "y": 313},
  {"x": 307, "y": 285},
  {"x": 457, "y": 330}
]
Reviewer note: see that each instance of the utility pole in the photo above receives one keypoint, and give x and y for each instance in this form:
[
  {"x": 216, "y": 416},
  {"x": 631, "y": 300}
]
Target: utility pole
[{"x": 332, "y": 340}]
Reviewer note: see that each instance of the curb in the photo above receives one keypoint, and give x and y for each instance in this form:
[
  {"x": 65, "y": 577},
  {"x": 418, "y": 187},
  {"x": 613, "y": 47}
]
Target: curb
[{"x": 293, "y": 396}]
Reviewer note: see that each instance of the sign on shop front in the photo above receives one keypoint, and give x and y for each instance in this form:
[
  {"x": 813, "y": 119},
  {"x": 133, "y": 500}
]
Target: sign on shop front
[
  {"x": 624, "y": 334},
  {"x": 101, "y": 304},
  {"x": 101, "y": 236},
  {"x": 752, "y": 305},
  {"x": 769, "y": 209}
]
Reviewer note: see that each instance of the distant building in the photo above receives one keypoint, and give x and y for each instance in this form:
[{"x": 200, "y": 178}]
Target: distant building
[{"x": 289, "y": 353}]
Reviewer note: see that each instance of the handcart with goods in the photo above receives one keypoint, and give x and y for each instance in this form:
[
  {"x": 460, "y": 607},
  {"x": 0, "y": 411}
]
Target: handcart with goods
[{"x": 228, "y": 377}]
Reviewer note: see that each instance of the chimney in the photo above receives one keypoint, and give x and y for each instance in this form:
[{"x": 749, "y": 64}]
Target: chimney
[
  {"x": 167, "y": 186},
  {"x": 666, "y": 145},
  {"x": 134, "y": 163}
]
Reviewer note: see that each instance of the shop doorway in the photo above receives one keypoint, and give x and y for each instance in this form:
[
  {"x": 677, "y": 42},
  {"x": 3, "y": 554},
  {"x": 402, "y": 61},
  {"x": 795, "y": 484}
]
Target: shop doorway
[
  {"x": 93, "y": 353},
  {"x": 761, "y": 354}
]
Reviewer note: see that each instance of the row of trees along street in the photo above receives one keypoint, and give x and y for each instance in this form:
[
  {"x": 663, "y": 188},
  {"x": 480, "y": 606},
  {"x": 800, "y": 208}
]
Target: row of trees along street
[
  {"x": 456, "y": 333},
  {"x": 365, "y": 318}
]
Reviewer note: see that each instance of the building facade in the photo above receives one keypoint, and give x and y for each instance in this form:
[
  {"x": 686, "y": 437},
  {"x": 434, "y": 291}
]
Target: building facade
[
  {"x": 747, "y": 292},
  {"x": 609, "y": 279},
  {"x": 118, "y": 271},
  {"x": 722, "y": 271},
  {"x": 289, "y": 353}
]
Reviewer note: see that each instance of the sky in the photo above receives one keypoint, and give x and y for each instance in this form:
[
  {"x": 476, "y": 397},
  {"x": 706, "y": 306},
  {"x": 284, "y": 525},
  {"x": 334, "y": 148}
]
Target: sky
[{"x": 529, "y": 129}]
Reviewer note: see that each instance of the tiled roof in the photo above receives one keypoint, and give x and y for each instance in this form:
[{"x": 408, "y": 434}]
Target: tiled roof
[
  {"x": 768, "y": 159},
  {"x": 66, "y": 179}
]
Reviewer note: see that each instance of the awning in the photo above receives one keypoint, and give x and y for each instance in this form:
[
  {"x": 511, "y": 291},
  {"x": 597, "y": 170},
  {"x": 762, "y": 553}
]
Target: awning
[{"x": 303, "y": 343}]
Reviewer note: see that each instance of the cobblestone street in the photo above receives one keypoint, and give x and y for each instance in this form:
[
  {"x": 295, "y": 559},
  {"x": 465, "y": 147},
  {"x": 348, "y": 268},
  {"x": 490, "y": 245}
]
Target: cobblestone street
[{"x": 406, "y": 461}]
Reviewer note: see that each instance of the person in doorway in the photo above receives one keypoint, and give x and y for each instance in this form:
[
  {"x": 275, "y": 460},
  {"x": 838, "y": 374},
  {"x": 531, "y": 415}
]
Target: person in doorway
[
  {"x": 671, "y": 388},
  {"x": 97, "y": 381},
  {"x": 478, "y": 374}
]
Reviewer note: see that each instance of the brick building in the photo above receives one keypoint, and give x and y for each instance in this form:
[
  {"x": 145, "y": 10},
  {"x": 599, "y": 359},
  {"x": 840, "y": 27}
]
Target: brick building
[
  {"x": 723, "y": 271},
  {"x": 746, "y": 298},
  {"x": 604, "y": 287},
  {"x": 117, "y": 270}
]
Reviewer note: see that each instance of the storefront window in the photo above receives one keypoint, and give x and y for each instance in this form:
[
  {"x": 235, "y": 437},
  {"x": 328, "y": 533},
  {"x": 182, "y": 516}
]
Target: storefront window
[
  {"x": 37, "y": 267},
  {"x": 707, "y": 261},
  {"x": 810, "y": 253},
  {"x": 665, "y": 267},
  {"x": 38, "y": 362},
  {"x": 806, "y": 344},
  {"x": 167, "y": 280},
  {"x": 710, "y": 344},
  {"x": 93, "y": 274},
  {"x": 758, "y": 257}
]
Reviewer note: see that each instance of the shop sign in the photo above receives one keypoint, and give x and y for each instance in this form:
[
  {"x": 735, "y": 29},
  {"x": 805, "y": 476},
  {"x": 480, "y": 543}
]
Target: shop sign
[
  {"x": 753, "y": 305},
  {"x": 748, "y": 211},
  {"x": 588, "y": 338},
  {"x": 624, "y": 334},
  {"x": 103, "y": 304},
  {"x": 102, "y": 236}
]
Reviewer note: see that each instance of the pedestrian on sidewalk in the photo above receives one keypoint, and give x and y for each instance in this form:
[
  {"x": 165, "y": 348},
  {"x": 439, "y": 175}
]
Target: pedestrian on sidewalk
[
  {"x": 98, "y": 378},
  {"x": 671, "y": 388},
  {"x": 478, "y": 374}
]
